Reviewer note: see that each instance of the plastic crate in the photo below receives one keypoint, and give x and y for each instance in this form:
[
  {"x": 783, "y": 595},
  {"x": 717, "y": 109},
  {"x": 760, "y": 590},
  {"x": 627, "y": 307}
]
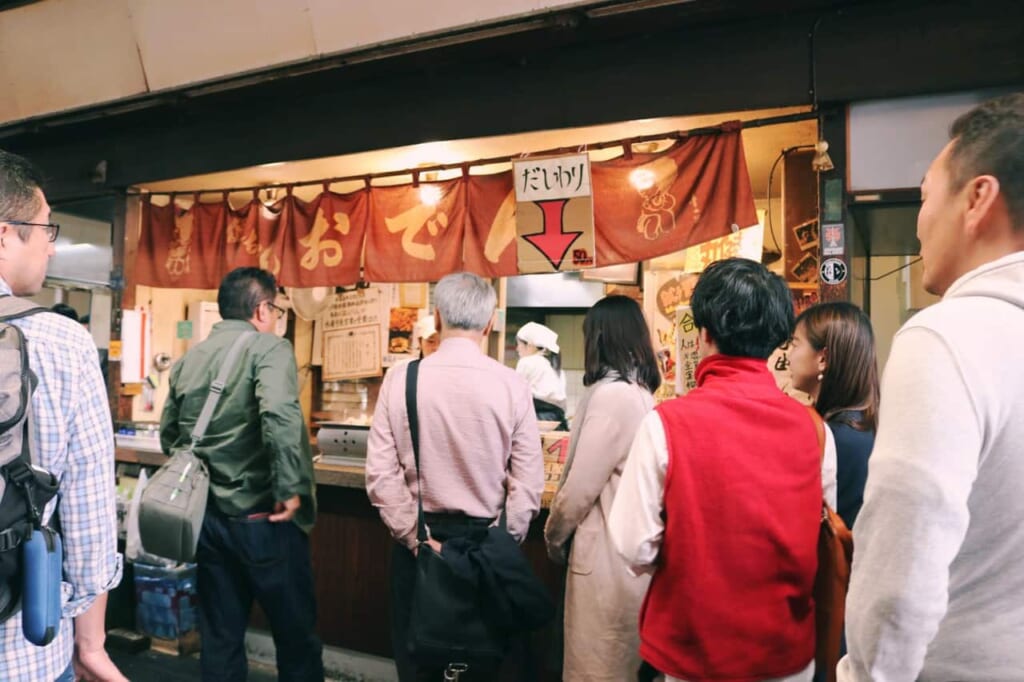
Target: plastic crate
[{"x": 166, "y": 602}]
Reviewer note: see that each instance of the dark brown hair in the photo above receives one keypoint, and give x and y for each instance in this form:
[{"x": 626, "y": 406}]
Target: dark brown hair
[
  {"x": 615, "y": 337},
  {"x": 19, "y": 181},
  {"x": 989, "y": 140},
  {"x": 850, "y": 380}
]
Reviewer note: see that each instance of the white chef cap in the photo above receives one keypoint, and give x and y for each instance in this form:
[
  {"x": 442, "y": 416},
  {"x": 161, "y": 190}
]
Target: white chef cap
[
  {"x": 538, "y": 335},
  {"x": 424, "y": 328}
]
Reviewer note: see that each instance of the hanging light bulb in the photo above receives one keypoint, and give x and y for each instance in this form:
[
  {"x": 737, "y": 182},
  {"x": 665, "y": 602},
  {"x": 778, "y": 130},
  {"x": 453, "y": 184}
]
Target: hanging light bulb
[
  {"x": 430, "y": 195},
  {"x": 642, "y": 178},
  {"x": 821, "y": 162}
]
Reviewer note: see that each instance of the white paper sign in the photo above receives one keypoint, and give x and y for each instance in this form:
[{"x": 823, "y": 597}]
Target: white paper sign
[
  {"x": 687, "y": 350},
  {"x": 559, "y": 177},
  {"x": 352, "y": 353}
]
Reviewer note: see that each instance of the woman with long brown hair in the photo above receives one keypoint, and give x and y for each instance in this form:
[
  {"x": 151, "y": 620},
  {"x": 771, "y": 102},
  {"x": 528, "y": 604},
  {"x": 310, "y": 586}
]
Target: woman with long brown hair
[
  {"x": 602, "y": 599},
  {"x": 832, "y": 359}
]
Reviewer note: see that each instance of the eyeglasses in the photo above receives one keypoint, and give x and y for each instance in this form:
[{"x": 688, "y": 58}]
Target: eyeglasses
[
  {"x": 277, "y": 309},
  {"x": 52, "y": 229}
]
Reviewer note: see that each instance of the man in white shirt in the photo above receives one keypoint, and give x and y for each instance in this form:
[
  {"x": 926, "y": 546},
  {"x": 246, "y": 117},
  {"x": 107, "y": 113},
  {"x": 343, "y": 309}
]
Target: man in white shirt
[{"x": 937, "y": 591}]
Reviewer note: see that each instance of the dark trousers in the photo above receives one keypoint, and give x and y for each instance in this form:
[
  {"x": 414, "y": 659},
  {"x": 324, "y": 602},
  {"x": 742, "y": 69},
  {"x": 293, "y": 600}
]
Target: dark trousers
[
  {"x": 647, "y": 672},
  {"x": 403, "y": 583},
  {"x": 546, "y": 411},
  {"x": 240, "y": 559}
]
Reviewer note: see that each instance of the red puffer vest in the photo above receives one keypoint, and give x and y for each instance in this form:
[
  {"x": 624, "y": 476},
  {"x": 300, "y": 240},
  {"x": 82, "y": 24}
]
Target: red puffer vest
[{"x": 731, "y": 598}]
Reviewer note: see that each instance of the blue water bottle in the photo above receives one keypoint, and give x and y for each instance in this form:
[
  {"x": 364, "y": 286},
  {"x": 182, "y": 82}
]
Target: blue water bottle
[{"x": 42, "y": 571}]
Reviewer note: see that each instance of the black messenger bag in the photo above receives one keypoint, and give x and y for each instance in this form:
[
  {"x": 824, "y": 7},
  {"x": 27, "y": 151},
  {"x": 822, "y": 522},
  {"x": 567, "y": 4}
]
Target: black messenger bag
[{"x": 447, "y": 626}]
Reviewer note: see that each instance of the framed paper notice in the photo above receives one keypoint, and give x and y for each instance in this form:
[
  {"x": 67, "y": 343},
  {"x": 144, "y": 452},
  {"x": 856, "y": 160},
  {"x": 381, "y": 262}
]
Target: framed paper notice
[
  {"x": 352, "y": 353},
  {"x": 413, "y": 295}
]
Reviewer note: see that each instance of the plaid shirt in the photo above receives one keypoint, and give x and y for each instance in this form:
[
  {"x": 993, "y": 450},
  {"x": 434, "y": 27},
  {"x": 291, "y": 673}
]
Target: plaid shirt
[{"x": 74, "y": 440}]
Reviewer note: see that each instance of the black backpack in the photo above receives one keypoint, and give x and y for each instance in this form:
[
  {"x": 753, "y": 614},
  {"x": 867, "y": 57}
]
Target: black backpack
[{"x": 24, "y": 489}]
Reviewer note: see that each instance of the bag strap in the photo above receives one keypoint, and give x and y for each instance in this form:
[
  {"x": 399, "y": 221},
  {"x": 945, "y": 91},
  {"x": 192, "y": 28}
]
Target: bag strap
[
  {"x": 13, "y": 308},
  {"x": 411, "y": 380},
  {"x": 819, "y": 427},
  {"x": 217, "y": 387}
]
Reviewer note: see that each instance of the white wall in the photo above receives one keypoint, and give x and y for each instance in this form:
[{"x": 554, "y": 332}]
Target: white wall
[
  {"x": 888, "y": 304},
  {"x": 894, "y": 299},
  {"x": 892, "y": 142}
]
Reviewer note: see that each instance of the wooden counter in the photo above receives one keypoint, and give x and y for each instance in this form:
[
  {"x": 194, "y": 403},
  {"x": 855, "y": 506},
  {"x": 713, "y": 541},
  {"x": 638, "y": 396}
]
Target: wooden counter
[
  {"x": 336, "y": 475},
  {"x": 351, "y": 551}
]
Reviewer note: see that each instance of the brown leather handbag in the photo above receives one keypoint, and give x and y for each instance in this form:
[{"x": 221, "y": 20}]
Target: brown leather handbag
[{"x": 835, "y": 554}]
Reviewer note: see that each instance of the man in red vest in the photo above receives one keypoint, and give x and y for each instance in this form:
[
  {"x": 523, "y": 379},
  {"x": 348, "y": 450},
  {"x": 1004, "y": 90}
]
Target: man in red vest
[{"x": 721, "y": 499}]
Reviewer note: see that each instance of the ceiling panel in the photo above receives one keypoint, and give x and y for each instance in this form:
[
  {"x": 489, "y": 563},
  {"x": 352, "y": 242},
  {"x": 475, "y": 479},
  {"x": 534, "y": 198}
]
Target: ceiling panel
[
  {"x": 338, "y": 28},
  {"x": 188, "y": 41},
  {"x": 66, "y": 54}
]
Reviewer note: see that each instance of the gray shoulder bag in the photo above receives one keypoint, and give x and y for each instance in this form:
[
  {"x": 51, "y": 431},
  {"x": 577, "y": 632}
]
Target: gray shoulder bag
[{"x": 173, "y": 504}]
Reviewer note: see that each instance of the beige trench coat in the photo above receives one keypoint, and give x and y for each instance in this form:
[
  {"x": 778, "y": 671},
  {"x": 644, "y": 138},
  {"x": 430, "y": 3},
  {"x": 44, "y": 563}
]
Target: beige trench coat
[{"x": 602, "y": 600}]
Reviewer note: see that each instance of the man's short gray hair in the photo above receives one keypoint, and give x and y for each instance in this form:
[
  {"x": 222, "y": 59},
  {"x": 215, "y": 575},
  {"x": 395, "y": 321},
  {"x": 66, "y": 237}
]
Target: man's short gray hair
[{"x": 465, "y": 301}]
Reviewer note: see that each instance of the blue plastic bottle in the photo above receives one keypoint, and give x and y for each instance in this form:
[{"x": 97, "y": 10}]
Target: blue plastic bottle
[{"x": 42, "y": 572}]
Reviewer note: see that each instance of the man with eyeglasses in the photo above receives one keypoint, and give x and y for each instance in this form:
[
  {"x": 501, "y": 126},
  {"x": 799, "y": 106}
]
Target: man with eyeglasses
[
  {"x": 73, "y": 439},
  {"x": 254, "y": 542}
]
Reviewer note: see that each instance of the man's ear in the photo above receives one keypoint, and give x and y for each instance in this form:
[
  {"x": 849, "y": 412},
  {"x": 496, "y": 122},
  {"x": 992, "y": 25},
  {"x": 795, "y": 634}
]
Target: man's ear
[
  {"x": 982, "y": 197},
  {"x": 261, "y": 312},
  {"x": 437, "y": 321},
  {"x": 490, "y": 324}
]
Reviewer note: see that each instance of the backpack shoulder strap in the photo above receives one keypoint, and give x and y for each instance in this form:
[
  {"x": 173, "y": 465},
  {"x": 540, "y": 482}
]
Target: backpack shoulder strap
[{"x": 12, "y": 308}]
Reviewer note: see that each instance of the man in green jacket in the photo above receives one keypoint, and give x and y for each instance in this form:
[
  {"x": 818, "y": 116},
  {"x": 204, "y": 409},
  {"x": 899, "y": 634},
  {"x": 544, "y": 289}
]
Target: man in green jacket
[{"x": 254, "y": 542}]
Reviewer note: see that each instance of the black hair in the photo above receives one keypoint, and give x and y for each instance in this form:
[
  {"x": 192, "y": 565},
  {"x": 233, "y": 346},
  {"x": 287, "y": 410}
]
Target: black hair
[
  {"x": 555, "y": 359},
  {"x": 616, "y": 337},
  {"x": 243, "y": 290},
  {"x": 745, "y": 309},
  {"x": 989, "y": 140},
  {"x": 19, "y": 181},
  {"x": 66, "y": 310}
]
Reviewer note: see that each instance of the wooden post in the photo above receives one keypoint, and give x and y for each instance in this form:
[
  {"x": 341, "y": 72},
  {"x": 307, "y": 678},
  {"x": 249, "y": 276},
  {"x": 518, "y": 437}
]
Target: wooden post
[{"x": 125, "y": 245}]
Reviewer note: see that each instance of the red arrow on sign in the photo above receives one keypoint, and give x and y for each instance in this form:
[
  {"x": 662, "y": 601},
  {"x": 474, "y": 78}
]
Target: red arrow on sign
[
  {"x": 553, "y": 242},
  {"x": 561, "y": 446}
]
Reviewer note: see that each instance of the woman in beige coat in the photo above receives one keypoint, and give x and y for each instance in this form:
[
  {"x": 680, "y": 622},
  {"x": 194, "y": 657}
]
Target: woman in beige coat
[{"x": 602, "y": 600}]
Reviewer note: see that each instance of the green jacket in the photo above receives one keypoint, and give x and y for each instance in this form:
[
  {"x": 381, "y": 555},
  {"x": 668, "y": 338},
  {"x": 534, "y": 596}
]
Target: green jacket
[{"x": 257, "y": 445}]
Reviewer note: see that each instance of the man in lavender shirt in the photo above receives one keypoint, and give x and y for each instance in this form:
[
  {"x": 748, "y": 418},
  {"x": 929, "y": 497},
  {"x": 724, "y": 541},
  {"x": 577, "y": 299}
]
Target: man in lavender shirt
[{"x": 479, "y": 446}]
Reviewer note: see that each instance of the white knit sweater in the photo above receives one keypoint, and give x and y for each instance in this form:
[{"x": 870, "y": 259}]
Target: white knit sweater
[{"x": 938, "y": 573}]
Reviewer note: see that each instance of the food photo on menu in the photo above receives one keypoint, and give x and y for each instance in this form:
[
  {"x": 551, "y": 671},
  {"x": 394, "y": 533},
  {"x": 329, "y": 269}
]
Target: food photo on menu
[{"x": 400, "y": 329}]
